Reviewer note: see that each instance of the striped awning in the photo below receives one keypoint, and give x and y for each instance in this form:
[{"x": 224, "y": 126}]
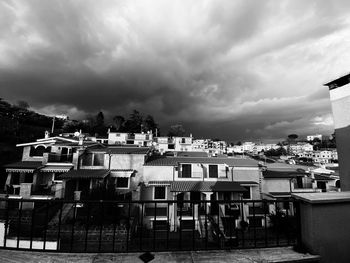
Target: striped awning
[
  {"x": 191, "y": 186},
  {"x": 159, "y": 182},
  {"x": 56, "y": 168},
  {"x": 23, "y": 167},
  {"x": 126, "y": 173}
]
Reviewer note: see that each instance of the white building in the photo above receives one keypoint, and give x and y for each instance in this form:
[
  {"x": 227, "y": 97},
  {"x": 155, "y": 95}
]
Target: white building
[
  {"x": 140, "y": 139},
  {"x": 312, "y": 137}
]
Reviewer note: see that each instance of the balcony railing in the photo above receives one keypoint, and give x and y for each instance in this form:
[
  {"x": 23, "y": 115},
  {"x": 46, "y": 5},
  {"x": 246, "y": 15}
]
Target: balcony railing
[
  {"x": 134, "y": 226},
  {"x": 59, "y": 158}
]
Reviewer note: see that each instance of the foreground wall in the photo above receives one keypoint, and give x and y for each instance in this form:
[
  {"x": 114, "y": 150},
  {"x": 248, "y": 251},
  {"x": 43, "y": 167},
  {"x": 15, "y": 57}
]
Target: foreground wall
[{"x": 325, "y": 225}]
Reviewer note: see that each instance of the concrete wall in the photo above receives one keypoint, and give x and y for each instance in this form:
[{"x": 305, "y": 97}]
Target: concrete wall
[
  {"x": 276, "y": 185},
  {"x": 158, "y": 173},
  {"x": 26, "y": 155},
  {"x": 246, "y": 174},
  {"x": 325, "y": 227}
]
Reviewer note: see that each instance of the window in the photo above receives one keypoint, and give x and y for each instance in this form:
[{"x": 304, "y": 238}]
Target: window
[
  {"x": 183, "y": 140},
  {"x": 38, "y": 151},
  {"x": 28, "y": 178},
  {"x": 99, "y": 159},
  {"x": 159, "y": 193},
  {"x": 213, "y": 171},
  {"x": 247, "y": 194},
  {"x": 87, "y": 159},
  {"x": 171, "y": 146},
  {"x": 255, "y": 221},
  {"x": 161, "y": 211},
  {"x": 122, "y": 182},
  {"x": 91, "y": 159},
  {"x": 186, "y": 170}
]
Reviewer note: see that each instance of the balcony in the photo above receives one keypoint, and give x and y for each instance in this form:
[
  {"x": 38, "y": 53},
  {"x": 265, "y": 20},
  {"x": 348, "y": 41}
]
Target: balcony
[{"x": 59, "y": 158}]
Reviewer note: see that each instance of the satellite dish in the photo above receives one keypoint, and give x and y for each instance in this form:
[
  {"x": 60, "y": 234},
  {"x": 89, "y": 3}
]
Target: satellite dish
[{"x": 76, "y": 134}]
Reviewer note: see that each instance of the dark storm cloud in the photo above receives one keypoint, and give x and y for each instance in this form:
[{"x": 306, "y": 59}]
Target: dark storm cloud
[{"x": 247, "y": 69}]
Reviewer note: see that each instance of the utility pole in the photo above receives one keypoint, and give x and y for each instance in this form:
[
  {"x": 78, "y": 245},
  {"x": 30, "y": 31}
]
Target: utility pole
[{"x": 53, "y": 125}]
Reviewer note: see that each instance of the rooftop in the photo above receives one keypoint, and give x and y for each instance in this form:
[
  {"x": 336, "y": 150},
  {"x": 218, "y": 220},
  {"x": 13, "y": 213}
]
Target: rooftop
[
  {"x": 338, "y": 82},
  {"x": 173, "y": 161}
]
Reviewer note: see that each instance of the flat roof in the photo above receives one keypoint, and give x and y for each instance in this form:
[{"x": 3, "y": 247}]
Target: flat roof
[{"x": 328, "y": 197}]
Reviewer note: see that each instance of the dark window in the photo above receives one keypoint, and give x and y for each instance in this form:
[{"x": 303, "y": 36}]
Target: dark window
[
  {"x": 255, "y": 221},
  {"x": 87, "y": 159},
  {"x": 122, "y": 182},
  {"x": 99, "y": 159},
  {"x": 160, "y": 224},
  {"x": 159, "y": 193},
  {"x": 161, "y": 211},
  {"x": 183, "y": 140},
  {"x": 322, "y": 185},
  {"x": 213, "y": 171},
  {"x": 38, "y": 151},
  {"x": 299, "y": 182},
  {"x": 171, "y": 146},
  {"x": 186, "y": 170},
  {"x": 56, "y": 176},
  {"x": 15, "y": 178},
  {"x": 28, "y": 178},
  {"x": 247, "y": 194}
]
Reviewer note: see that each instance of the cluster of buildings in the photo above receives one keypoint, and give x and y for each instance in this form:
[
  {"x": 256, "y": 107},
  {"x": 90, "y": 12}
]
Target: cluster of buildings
[
  {"x": 141, "y": 167},
  {"x": 300, "y": 150}
]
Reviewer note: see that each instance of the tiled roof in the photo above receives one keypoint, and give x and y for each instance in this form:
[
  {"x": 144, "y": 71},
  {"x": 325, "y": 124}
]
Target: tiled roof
[
  {"x": 173, "y": 161},
  {"x": 191, "y": 154},
  {"x": 191, "y": 186},
  {"x": 121, "y": 150},
  {"x": 85, "y": 174},
  {"x": 128, "y": 150},
  {"x": 24, "y": 165}
]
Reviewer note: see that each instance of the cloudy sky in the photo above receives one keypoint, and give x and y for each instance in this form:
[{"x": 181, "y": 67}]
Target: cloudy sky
[{"x": 236, "y": 70}]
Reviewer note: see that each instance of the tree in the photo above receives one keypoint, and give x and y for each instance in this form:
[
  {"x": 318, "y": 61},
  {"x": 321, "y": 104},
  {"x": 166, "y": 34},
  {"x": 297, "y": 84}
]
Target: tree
[
  {"x": 99, "y": 126},
  {"x": 118, "y": 122},
  {"x": 22, "y": 104},
  {"x": 149, "y": 124},
  {"x": 176, "y": 130},
  {"x": 276, "y": 152},
  {"x": 134, "y": 123},
  {"x": 292, "y": 137}
]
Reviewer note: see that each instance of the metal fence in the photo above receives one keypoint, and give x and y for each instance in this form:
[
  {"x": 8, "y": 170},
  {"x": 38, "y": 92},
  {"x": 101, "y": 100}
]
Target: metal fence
[{"x": 133, "y": 226}]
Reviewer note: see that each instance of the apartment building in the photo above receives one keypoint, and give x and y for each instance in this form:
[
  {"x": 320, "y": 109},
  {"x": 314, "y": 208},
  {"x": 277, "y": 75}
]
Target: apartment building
[{"x": 197, "y": 178}]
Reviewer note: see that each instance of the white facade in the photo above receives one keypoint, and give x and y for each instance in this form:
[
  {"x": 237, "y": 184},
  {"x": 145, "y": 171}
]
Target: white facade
[
  {"x": 140, "y": 139},
  {"x": 312, "y": 137},
  {"x": 183, "y": 144}
]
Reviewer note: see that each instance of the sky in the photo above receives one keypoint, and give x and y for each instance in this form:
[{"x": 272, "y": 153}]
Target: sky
[{"x": 235, "y": 70}]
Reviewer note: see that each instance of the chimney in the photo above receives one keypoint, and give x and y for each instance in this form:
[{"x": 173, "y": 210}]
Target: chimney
[
  {"x": 81, "y": 139},
  {"x": 339, "y": 91}
]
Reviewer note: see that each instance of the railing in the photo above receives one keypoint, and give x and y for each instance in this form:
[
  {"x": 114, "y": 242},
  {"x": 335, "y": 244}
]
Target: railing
[
  {"x": 123, "y": 226},
  {"x": 60, "y": 158}
]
